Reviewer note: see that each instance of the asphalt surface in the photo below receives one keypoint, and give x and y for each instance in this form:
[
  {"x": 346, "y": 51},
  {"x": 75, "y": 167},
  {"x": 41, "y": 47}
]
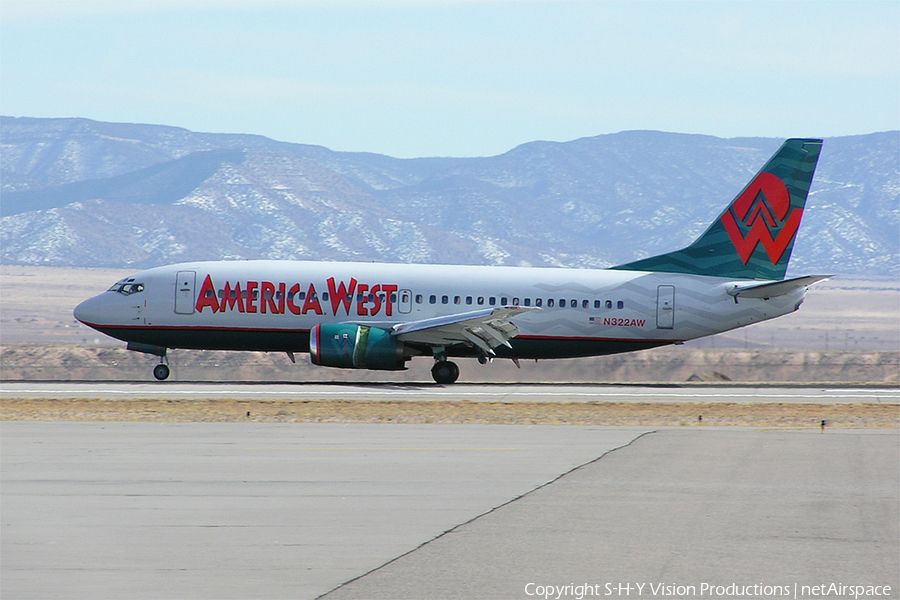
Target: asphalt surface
[
  {"x": 776, "y": 513},
  {"x": 251, "y": 510},
  {"x": 474, "y": 392}
]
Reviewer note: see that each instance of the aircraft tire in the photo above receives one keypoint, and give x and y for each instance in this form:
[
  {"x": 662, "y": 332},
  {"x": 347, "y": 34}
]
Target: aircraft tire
[
  {"x": 161, "y": 371},
  {"x": 445, "y": 372}
]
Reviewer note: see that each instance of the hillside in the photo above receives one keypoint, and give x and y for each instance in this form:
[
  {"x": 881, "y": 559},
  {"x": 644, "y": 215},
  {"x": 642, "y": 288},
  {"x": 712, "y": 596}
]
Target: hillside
[{"x": 84, "y": 193}]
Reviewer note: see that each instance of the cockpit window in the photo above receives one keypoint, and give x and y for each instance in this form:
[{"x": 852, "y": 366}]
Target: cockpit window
[{"x": 127, "y": 287}]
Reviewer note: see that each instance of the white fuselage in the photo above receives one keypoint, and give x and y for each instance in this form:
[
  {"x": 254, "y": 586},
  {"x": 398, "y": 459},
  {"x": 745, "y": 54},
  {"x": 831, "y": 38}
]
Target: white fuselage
[{"x": 577, "y": 312}]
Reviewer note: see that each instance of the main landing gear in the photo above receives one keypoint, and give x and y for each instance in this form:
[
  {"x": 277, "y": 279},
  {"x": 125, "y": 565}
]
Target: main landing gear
[
  {"x": 445, "y": 371},
  {"x": 161, "y": 371}
]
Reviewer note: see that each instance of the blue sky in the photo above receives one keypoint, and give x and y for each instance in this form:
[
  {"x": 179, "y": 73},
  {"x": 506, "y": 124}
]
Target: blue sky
[{"x": 457, "y": 78}]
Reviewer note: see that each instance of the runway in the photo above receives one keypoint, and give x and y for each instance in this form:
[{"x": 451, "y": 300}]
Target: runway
[
  {"x": 473, "y": 392},
  {"x": 300, "y": 510}
]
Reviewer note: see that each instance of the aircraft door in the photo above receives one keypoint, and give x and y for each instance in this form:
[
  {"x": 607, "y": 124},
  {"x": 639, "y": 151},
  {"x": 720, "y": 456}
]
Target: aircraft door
[
  {"x": 405, "y": 302},
  {"x": 665, "y": 307},
  {"x": 184, "y": 292}
]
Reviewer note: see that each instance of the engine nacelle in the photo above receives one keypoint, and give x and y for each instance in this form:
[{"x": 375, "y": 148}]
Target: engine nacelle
[{"x": 355, "y": 347}]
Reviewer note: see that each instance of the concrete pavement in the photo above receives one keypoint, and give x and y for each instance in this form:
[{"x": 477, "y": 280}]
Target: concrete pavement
[{"x": 251, "y": 510}]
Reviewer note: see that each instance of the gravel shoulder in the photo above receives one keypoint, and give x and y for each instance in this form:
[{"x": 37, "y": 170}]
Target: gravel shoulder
[{"x": 698, "y": 414}]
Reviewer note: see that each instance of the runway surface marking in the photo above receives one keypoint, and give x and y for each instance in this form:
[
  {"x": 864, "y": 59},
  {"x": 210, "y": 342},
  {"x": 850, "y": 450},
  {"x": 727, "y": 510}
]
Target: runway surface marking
[{"x": 495, "y": 393}]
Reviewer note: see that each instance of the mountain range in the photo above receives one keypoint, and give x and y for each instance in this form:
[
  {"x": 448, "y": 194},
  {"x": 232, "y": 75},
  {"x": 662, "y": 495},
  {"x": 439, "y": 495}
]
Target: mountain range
[{"x": 76, "y": 192}]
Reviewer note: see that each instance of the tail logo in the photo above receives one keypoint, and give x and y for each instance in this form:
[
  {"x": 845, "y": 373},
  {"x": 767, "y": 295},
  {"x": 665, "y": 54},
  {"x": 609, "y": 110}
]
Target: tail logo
[{"x": 762, "y": 208}]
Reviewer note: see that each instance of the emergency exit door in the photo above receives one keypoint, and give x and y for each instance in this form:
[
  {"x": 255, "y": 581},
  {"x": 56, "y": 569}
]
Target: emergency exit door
[
  {"x": 405, "y": 304},
  {"x": 665, "y": 307},
  {"x": 184, "y": 292}
]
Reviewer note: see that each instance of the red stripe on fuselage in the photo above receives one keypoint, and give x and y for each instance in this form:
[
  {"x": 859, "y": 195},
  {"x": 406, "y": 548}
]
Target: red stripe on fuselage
[{"x": 194, "y": 328}]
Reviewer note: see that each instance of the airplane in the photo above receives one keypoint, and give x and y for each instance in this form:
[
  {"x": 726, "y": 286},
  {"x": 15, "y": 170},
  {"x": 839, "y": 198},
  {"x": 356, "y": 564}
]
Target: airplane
[{"x": 379, "y": 316}]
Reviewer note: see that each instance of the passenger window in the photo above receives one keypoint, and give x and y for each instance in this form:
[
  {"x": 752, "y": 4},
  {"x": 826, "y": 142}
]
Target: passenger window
[
  {"x": 550, "y": 302},
  {"x": 480, "y": 300},
  {"x": 584, "y": 304},
  {"x": 609, "y": 304},
  {"x": 418, "y": 298},
  {"x": 573, "y": 303},
  {"x": 394, "y": 297},
  {"x": 620, "y": 304},
  {"x": 432, "y": 299},
  {"x": 596, "y": 304},
  {"x": 527, "y": 301},
  {"x": 445, "y": 299},
  {"x": 562, "y": 303},
  {"x": 456, "y": 299},
  {"x": 300, "y": 296},
  {"x": 504, "y": 301},
  {"x": 515, "y": 301},
  {"x": 468, "y": 299},
  {"x": 492, "y": 301},
  {"x": 538, "y": 302},
  {"x": 325, "y": 296}
]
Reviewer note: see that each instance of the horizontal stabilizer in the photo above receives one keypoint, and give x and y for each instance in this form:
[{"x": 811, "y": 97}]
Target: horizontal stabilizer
[{"x": 777, "y": 288}]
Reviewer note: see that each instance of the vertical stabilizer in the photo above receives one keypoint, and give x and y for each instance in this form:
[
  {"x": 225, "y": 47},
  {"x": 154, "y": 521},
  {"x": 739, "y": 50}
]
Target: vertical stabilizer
[{"x": 754, "y": 236}]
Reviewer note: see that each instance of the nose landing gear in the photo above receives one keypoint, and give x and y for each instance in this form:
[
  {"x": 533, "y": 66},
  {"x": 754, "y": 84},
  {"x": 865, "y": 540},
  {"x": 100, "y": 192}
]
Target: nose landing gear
[{"x": 160, "y": 371}]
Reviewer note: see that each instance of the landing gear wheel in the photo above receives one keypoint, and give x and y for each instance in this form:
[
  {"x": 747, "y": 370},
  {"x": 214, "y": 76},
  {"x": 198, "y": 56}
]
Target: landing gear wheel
[
  {"x": 445, "y": 372},
  {"x": 161, "y": 371}
]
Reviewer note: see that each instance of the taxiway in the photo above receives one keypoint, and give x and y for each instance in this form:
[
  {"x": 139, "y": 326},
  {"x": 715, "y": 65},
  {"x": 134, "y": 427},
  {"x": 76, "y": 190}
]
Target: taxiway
[{"x": 267, "y": 510}]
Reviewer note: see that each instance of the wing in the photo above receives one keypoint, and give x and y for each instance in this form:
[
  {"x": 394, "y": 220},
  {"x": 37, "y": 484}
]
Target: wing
[{"x": 485, "y": 329}]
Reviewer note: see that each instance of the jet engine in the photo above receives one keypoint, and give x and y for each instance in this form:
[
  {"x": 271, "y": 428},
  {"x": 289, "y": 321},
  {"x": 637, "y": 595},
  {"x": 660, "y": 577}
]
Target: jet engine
[{"x": 355, "y": 347}]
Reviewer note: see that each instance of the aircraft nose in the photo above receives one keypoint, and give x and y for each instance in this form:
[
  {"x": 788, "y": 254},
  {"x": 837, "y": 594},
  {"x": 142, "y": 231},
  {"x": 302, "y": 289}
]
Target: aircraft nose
[{"x": 90, "y": 311}]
